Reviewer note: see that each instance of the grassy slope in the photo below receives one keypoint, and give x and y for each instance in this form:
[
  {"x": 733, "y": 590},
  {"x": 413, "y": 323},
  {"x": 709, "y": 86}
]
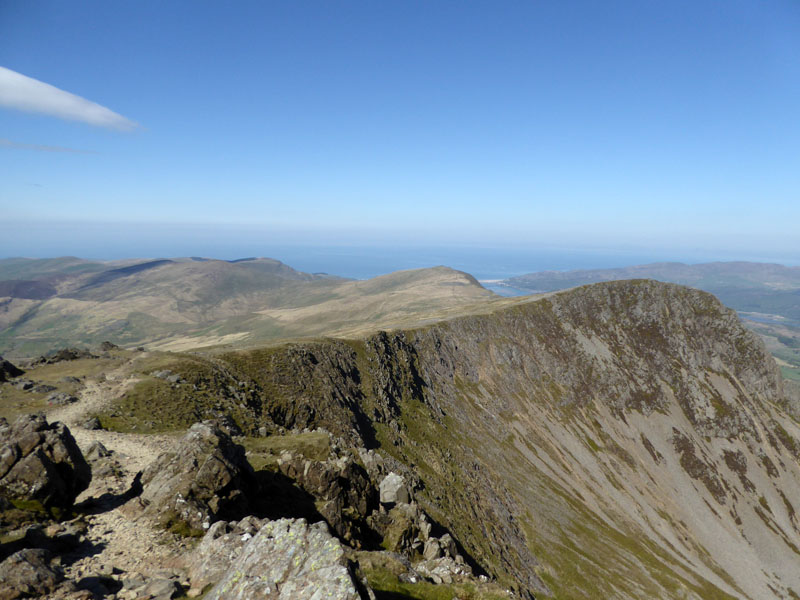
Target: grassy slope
[
  {"x": 502, "y": 460},
  {"x": 187, "y": 305}
]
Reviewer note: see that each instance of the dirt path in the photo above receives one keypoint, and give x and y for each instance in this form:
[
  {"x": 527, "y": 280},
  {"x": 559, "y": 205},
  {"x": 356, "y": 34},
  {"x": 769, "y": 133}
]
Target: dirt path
[
  {"x": 120, "y": 544},
  {"x": 135, "y": 451}
]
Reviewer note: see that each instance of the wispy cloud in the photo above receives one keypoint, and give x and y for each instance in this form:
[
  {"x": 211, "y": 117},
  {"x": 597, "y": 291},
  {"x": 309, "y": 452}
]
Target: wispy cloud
[
  {"x": 21, "y": 92},
  {"x": 40, "y": 148}
]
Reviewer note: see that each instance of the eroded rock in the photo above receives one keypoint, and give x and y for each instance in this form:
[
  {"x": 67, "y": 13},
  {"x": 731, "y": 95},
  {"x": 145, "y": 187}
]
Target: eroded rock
[
  {"x": 28, "y": 574},
  {"x": 41, "y": 466},
  {"x": 204, "y": 479}
]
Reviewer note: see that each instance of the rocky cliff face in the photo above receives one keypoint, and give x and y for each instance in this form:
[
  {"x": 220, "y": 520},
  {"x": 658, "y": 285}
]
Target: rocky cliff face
[{"x": 620, "y": 440}]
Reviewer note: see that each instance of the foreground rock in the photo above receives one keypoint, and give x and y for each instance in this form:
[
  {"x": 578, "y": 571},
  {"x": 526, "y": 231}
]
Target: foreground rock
[
  {"x": 41, "y": 467},
  {"x": 287, "y": 559},
  {"x": 8, "y": 370},
  {"x": 28, "y": 574},
  {"x": 204, "y": 479}
]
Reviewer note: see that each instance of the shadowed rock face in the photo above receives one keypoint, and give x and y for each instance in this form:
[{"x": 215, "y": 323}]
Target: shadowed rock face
[
  {"x": 633, "y": 421},
  {"x": 41, "y": 467},
  {"x": 205, "y": 478},
  {"x": 28, "y": 574},
  {"x": 8, "y": 370}
]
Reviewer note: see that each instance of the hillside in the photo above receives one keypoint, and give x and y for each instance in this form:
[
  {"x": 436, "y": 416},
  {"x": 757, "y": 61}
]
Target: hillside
[
  {"x": 766, "y": 295},
  {"x": 619, "y": 440},
  {"x": 190, "y": 303}
]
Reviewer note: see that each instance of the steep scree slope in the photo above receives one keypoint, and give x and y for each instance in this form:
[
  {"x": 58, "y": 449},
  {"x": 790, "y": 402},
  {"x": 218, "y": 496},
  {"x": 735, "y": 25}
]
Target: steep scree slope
[{"x": 619, "y": 440}]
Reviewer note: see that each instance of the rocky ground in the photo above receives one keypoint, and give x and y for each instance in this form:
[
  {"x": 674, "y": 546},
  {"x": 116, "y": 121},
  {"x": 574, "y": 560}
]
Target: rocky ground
[
  {"x": 624, "y": 440},
  {"x": 171, "y": 516}
]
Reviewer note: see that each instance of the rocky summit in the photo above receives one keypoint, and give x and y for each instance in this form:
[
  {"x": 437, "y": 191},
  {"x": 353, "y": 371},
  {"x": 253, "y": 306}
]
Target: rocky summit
[{"x": 620, "y": 440}]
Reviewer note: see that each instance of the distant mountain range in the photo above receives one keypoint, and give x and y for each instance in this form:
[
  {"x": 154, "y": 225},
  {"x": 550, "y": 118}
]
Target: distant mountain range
[
  {"x": 195, "y": 302},
  {"x": 198, "y": 302},
  {"x": 766, "y": 295}
]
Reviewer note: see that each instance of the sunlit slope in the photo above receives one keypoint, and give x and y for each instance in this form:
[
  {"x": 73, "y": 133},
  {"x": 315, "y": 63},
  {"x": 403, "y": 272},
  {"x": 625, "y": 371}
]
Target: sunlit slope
[
  {"x": 767, "y": 295},
  {"x": 623, "y": 440},
  {"x": 619, "y": 440},
  {"x": 182, "y": 304}
]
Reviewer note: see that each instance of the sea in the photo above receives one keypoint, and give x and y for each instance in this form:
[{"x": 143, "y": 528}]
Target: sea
[{"x": 487, "y": 264}]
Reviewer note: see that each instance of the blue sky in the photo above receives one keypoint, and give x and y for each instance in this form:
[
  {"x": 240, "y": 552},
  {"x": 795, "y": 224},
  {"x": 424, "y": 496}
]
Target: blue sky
[{"x": 663, "y": 127}]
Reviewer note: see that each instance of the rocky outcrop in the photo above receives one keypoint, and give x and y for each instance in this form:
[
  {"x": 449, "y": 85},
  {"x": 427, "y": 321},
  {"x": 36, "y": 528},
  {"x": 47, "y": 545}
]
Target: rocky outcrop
[
  {"x": 63, "y": 355},
  {"x": 342, "y": 491},
  {"x": 542, "y": 435},
  {"x": 220, "y": 546},
  {"x": 286, "y": 559},
  {"x": 205, "y": 478},
  {"x": 8, "y": 371},
  {"x": 28, "y": 574},
  {"x": 624, "y": 440},
  {"x": 41, "y": 467}
]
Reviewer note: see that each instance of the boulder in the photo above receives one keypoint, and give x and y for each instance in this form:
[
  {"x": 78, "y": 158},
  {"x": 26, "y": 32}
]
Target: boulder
[
  {"x": 285, "y": 560},
  {"x": 43, "y": 388},
  {"x": 445, "y": 570},
  {"x": 204, "y": 479},
  {"x": 400, "y": 528},
  {"x": 103, "y": 461},
  {"x": 41, "y": 466},
  {"x": 8, "y": 370},
  {"x": 393, "y": 489},
  {"x": 61, "y": 398},
  {"x": 62, "y": 355},
  {"x": 221, "y": 545},
  {"x": 28, "y": 574},
  {"x": 92, "y": 424}
]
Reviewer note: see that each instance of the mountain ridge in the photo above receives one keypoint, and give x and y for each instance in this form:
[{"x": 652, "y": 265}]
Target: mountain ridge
[
  {"x": 184, "y": 303},
  {"x": 635, "y": 421}
]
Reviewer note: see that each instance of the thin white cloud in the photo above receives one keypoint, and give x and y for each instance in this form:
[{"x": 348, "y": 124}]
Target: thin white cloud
[
  {"x": 4, "y": 143},
  {"x": 21, "y": 92}
]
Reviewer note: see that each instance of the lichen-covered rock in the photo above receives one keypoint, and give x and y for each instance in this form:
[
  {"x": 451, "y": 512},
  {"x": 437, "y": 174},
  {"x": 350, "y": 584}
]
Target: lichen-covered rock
[
  {"x": 28, "y": 574},
  {"x": 204, "y": 479},
  {"x": 220, "y": 546},
  {"x": 41, "y": 466},
  {"x": 288, "y": 560}
]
